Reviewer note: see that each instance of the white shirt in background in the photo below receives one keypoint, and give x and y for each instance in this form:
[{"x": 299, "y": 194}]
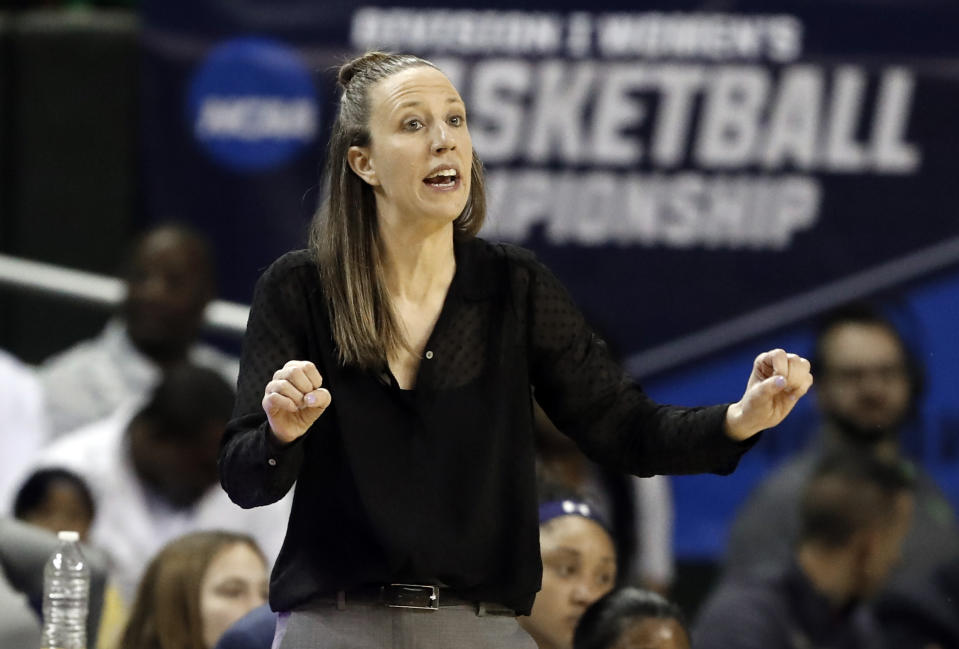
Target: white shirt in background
[
  {"x": 131, "y": 524},
  {"x": 23, "y": 425},
  {"x": 90, "y": 380}
]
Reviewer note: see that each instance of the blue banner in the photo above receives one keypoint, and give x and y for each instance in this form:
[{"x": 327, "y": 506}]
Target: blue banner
[{"x": 695, "y": 177}]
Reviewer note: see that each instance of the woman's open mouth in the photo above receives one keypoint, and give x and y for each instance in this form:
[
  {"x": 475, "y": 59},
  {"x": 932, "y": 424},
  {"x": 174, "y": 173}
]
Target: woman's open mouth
[{"x": 446, "y": 178}]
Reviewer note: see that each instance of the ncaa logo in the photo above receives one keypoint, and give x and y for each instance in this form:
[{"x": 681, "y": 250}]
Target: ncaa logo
[{"x": 253, "y": 105}]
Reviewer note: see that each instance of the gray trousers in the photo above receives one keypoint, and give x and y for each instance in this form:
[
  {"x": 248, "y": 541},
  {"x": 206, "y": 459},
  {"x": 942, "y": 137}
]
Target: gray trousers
[{"x": 374, "y": 626}]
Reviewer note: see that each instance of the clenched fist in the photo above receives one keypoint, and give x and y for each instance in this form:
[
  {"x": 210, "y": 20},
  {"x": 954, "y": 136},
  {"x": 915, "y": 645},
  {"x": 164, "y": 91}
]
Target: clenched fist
[
  {"x": 776, "y": 382},
  {"x": 293, "y": 400}
]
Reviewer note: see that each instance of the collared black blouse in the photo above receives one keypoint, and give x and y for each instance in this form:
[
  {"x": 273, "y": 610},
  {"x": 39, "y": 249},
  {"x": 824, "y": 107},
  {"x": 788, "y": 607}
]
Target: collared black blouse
[{"x": 437, "y": 485}]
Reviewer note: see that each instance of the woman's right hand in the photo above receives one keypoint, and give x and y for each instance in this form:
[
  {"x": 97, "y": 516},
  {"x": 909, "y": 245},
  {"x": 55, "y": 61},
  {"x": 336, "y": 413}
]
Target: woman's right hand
[{"x": 293, "y": 400}]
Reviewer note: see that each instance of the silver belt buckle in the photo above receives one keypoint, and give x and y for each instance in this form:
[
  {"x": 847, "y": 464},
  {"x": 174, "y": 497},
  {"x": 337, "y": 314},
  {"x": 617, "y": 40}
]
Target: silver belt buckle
[{"x": 420, "y": 596}]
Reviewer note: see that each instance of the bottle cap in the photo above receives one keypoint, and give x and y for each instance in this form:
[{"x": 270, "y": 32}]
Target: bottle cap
[{"x": 68, "y": 535}]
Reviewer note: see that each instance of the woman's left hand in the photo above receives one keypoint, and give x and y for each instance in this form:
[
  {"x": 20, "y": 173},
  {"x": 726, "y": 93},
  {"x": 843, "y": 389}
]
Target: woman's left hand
[{"x": 777, "y": 381}]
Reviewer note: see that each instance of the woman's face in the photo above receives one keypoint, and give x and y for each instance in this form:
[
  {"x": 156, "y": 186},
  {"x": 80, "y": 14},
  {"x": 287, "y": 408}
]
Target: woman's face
[
  {"x": 579, "y": 567},
  {"x": 235, "y": 583},
  {"x": 653, "y": 633},
  {"x": 420, "y": 152}
]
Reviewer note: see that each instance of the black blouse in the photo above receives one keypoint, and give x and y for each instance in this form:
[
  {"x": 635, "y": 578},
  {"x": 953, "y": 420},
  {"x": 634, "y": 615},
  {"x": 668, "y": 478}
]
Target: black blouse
[{"x": 437, "y": 485}]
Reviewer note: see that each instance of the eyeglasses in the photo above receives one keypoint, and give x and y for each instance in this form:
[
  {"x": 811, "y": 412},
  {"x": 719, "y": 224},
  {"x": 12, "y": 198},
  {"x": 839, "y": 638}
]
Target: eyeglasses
[{"x": 886, "y": 373}]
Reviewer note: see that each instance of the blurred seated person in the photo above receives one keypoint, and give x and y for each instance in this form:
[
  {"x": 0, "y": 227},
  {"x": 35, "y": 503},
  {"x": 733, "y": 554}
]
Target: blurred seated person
[
  {"x": 579, "y": 567},
  {"x": 194, "y": 589},
  {"x": 24, "y": 551},
  {"x": 867, "y": 386},
  {"x": 255, "y": 630},
  {"x": 925, "y": 613},
  {"x": 632, "y": 618},
  {"x": 854, "y": 515},
  {"x": 169, "y": 282},
  {"x": 639, "y": 510},
  {"x": 23, "y": 424},
  {"x": 55, "y": 499},
  {"x": 153, "y": 473}
]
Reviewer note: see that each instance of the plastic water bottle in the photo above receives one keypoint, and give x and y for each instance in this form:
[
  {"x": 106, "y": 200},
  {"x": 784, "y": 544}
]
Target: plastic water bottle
[{"x": 66, "y": 595}]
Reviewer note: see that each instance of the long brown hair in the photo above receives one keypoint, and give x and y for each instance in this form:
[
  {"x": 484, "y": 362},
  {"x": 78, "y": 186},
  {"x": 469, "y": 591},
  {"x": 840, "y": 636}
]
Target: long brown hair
[
  {"x": 166, "y": 613},
  {"x": 344, "y": 235}
]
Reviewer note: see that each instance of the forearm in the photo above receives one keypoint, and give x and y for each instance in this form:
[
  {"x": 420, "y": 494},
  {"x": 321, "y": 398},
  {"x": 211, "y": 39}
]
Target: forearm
[
  {"x": 646, "y": 439},
  {"x": 255, "y": 468},
  {"x": 589, "y": 397}
]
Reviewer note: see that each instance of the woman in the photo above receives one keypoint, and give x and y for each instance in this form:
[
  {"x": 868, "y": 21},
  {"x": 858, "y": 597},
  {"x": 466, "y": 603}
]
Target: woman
[
  {"x": 632, "y": 618},
  {"x": 423, "y": 343},
  {"x": 579, "y": 567},
  {"x": 194, "y": 589}
]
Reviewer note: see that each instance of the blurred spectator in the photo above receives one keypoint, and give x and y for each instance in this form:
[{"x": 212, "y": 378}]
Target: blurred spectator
[
  {"x": 153, "y": 473},
  {"x": 639, "y": 510},
  {"x": 632, "y": 618},
  {"x": 255, "y": 630},
  {"x": 867, "y": 386},
  {"x": 194, "y": 589},
  {"x": 55, "y": 499},
  {"x": 23, "y": 423},
  {"x": 24, "y": 550},
  {"x": 924, "y": 614},
  {"x": 169, "y": 282},
  {"x": 854, "y": 514},
  {"x": 579, "y": 567}
]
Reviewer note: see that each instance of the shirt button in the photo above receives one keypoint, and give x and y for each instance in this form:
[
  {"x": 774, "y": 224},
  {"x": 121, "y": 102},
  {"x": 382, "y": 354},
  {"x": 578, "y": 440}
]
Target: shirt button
[
  {"x": 429, "y": 355},
  {"x": 271, "y": 462}
]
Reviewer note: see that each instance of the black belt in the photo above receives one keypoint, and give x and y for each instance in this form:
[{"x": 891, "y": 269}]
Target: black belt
[{"x": 415, "y": 596}]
